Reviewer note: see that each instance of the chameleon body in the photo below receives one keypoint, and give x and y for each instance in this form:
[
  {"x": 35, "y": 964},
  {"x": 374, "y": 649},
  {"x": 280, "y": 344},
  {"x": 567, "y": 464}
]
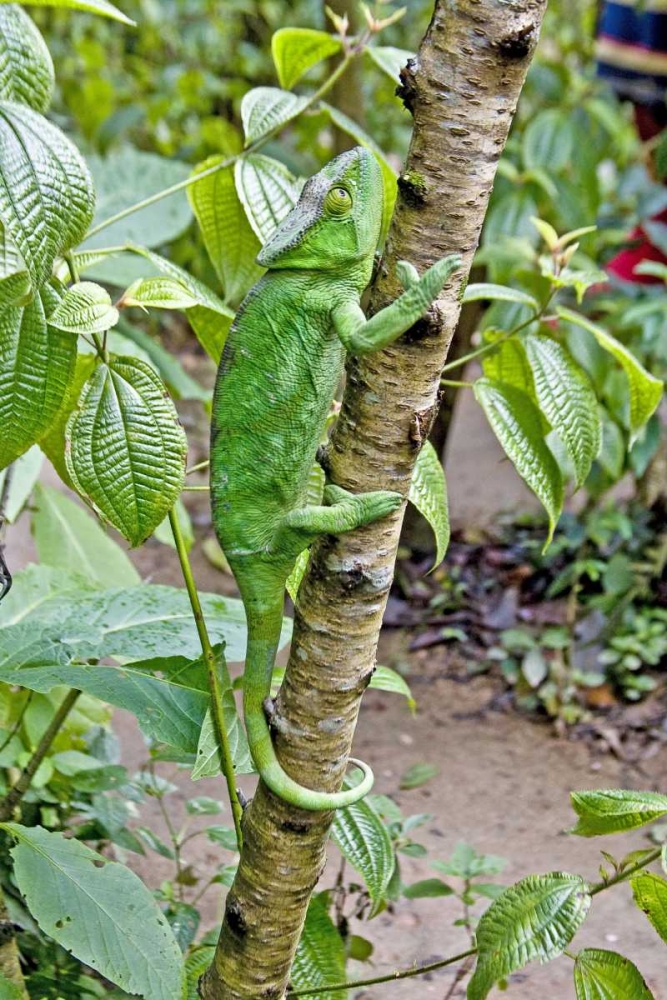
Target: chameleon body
[{"x": 277, "y": 378}]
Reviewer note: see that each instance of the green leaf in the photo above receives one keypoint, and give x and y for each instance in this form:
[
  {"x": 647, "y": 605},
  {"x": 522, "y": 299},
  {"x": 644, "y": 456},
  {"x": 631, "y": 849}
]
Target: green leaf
[
  {"x": 52, "y": 442},
  {"x": 567, "y": 399},
  {"x": 320, "y": 956},
  {"x": 298, "y": 572},
  {"x": 534, "y": 919},
  {"x": 84, "y": 308},
  {"x": 122, "y": 178},
  {"x": 46, "y": 193},
  {"x": 428, "y": 493},
  {"x": 650, "y": 895},
  {"x": 25, "y": 473},
  {"x": 386, "y": 679},
  {"x": 135, "y": 478},
  {"x": 101, "y": 7},
  {"x": 498, "y": 293},
  {"x": 98, "y": 910},
  {"x": 645, "y": 389},
  {"x": 267, "y": 191},
  {"x": 26, "y": 67},
  {"x": 615, "y": 810},
  {"x": 9, "y": 990},
  {"x": 14, "y": 279},
  {"x": 515, "y": 421},
  {"x": 548, "y": 140},
  {"x": 158, "y": 293},
  {"x": 509, "y": 364},
  {"x": 228, "y": 237},
  {"x": 208, "y": 753},
  {"x": 606, "y": 975},
  {"x": 211, "y": 318},
  {"x": 362, "y": 838},
  {"x": 178, "y": 381},
  {"x": 223, "y": 835},
  {"x": 428, "y": 888},
  {"x": 296, "y": 50},
  {"x": 391, "y": 60},
  {"x": 33, "y": 586},
  {"x": 36, "y": 369},
  {"x": 196, "y": 965},
  {"x": 264, "y": 109},
  {"x": 69, "y": 539},
  {"x": 351, "y": 128},
  {"x": 418, "y": 775}
]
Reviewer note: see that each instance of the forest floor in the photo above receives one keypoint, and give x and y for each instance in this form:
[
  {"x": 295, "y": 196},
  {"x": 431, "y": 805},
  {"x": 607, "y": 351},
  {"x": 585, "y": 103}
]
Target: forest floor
[{"x": 502, "y": 783}]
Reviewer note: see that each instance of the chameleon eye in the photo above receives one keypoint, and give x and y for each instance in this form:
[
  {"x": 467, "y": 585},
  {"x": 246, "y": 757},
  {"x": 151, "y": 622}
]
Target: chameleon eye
[{"x": 338, "y": 201}]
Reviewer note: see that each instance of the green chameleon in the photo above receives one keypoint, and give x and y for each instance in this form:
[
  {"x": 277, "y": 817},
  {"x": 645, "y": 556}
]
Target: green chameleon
[{"x": 277, "y": 378}]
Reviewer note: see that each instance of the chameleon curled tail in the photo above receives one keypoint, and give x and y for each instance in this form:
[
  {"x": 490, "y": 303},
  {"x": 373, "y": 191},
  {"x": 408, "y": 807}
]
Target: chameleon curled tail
[{"x": 263, "y": 641}]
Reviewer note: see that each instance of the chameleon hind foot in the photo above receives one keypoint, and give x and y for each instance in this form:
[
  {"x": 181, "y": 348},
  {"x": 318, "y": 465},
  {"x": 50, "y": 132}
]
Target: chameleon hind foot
[{"x": 345, "y": 512}]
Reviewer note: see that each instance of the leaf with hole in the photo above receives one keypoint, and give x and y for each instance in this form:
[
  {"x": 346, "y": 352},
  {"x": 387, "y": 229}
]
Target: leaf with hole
[
  {"x": 127, "y": 449},
  {"x": 98, "y": 910},
  {"x": 533, "y": 920},
  {"x": 267, "y": 190},
  {"x": 84, "y": 308},
  {"x": 46, "y": 192},
  {"x": 606, "y": 975},
  {"x": 515, "y": 421},
  {"x": 264, "y": 109},
  {"x": 567, "y": 399},
  {"x": 615, "y": 810},
  {"x": 645, "y": 389},
  {"x": 26, "y": 67},
  {"x": 296, "y": 50},
  {"x": 428, "y": 493},
  {"x": 228, "y": 236},
  {"x": 362, "y": 838},
  {"x": 36, "y": 369}
]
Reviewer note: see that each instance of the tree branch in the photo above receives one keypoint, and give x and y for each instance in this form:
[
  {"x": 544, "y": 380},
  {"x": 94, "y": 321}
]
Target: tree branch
[{"x": 463, "y": 90}]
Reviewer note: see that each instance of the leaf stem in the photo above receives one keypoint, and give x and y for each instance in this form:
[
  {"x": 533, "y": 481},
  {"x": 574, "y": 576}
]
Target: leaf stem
[
  {"x": 389, "y": 978},
  {"x": 217, "y": 714},
  {"x": 230, "y": 160},
  {"x": 17, "y": 791}
]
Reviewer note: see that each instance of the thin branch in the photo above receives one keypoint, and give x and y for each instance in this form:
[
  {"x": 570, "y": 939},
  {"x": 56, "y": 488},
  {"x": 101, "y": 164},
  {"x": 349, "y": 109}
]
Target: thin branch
[
  {"x": 16, "y": 793},
  {"x": 17, "y": 725},
  {"x": 217, "y": 714},
  {"x": 627, "y": 873},
  {"x": 391, "y": 977}
]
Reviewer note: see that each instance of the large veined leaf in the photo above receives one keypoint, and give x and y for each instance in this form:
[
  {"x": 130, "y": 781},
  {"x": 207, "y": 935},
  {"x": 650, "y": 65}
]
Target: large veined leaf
[
  {"x": 362, "y": 838},
  {"x": 52, "y": 442},
  {"x": 196, "y": 965},
  {"x": 606, "y": 975},
  {"x": 26, "y": 68},
  {"x": 208, "y": 753},
  {"x": 158, "y": 293},
  {"x": 267, "y": 190},
  {"x": 98, "y": 910},
  {"x": 265, "y": 109},
  {"x": 516, "y": 423},
  {"x": 127, "y": 449},
  {"x": 24, "y": 474},
  {"x": 650, "y": 894},
  {"x": 645, "y": 389},
  {"x": 390, "y": 59},
  {"x": 320, "y": 956},
  {"x": 33, "y": 586},
  {"x": 509, "y": 364},
  {"x": 533, "y": 920},
  {"x": 211, "y": 318},
  {"x": 102, "y": 7},
  {"x": 296, "y": 50},
  {"x": 46, "y": 193},
  {"x": 228, "y": 237},
  {"x": 428, "y": 492},
  {"x": 124, "y": 177},
  {"x": 615, "y": 810},
  {"x": 567, "y": 399},
  {"x": 84, "y": 308},
  {"x": 36, "y": 368},
  {"x": 351, "y": 128},
  {"x": 14, "y": 278},
  {"x": 71, "y": 539}
]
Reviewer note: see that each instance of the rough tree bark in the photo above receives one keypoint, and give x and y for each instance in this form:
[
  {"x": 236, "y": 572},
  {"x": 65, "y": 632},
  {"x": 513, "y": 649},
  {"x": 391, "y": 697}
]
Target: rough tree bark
[{"x": 462, "y": 90}]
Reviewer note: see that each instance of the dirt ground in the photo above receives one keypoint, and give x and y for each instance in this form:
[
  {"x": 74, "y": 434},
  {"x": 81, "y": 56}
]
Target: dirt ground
[{"x": 502, "y": 785}]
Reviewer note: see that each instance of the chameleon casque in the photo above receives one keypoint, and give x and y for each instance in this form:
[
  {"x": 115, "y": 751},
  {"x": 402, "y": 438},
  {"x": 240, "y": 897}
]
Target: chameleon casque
[{"x": 277, "y": 378}]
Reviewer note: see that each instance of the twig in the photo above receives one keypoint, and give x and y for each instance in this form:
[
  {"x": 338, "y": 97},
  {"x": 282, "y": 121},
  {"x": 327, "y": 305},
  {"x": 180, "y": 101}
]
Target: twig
[
  {"x": 391, "y": 977},
  {"x": 17, "y": 725}
]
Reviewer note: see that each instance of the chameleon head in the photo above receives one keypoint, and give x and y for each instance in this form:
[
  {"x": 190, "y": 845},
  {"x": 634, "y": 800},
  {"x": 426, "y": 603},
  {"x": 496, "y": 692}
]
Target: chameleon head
[{"x": 336, "y": 221}]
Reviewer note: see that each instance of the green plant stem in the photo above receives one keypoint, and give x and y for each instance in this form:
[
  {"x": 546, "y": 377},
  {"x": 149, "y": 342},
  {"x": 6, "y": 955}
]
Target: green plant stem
[
  {"x": 196, "y": 489},
  {"x": 199, "y": 467},
  {"x": 626, "y": 873},
  {"x": 19, "y": 721},
  {"x": 456, "y": 385},
  {"x": 389, "y": 978},
  {"x": 230, "y": 160},
  {"x": 217, "y": 714},
  {"x": 17, "y": 791}
]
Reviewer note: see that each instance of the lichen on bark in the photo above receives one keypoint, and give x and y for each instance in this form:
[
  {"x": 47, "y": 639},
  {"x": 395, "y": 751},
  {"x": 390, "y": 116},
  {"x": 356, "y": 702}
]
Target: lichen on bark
[{"x": 462, "y": 89}]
